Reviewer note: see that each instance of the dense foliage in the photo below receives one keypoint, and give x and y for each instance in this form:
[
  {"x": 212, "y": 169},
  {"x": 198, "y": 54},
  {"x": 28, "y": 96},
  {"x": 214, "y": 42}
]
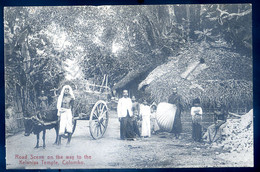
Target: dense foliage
[{"x": 46, "y": 45}]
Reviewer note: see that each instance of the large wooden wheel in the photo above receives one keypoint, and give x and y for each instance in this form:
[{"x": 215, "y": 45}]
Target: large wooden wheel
[{"x": 98, "y": 120}]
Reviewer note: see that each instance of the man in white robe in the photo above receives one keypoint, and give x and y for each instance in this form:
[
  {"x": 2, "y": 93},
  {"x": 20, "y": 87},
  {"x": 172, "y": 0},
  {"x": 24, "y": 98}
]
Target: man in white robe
[
  {"x": 124, "y": 112},
  {"x": 65, "y": 107}
]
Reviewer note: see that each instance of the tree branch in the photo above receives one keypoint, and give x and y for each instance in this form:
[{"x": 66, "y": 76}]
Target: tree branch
[{"x": 230, "y": 15}]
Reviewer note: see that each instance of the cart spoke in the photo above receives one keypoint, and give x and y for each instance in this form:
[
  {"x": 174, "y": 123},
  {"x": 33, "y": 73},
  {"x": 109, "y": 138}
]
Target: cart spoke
[
  {"x": 98, "y": 112},
  {"x": 102, "y": 124},
  {"x": 102, "y": 109},
  {"x": 103, "y": 114},
  {"x": 97, "y": 129},
  {"x": 103, "y": 106},
  {"x": 95, "y": 114},
  {"x": 100, "y": 129},
  {"x": 98, "y": 108}
]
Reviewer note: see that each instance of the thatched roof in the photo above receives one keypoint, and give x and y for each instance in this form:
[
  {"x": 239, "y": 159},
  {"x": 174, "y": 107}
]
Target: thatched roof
[
  {"x": 226, "y": 76},
  {"x": 193, "y": 69},
  {"x": 132, "y": 75}
]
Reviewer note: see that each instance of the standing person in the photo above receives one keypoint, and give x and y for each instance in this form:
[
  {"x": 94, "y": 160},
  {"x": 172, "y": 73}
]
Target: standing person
[
  {"x": 214, "y": 131},
  {"x": 145, "y": 112},
  {"x": 154, "y": 124},
  {"x": 43, "y": 105},
  {"x": 196, "y": 115},
  {"x": 65, "y": 107},
  {"x": 124, "y": 112},
  {"x": 135, "y": 118},
  {"x": 175, "y": 98}
]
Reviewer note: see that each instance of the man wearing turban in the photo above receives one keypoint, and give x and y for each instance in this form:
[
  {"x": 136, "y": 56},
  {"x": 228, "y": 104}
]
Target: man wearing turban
[{"x": 65, "y": 108}]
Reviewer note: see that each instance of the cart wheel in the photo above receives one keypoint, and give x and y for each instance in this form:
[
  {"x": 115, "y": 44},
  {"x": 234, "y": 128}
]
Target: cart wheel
[{"x": 98, "y": 120}]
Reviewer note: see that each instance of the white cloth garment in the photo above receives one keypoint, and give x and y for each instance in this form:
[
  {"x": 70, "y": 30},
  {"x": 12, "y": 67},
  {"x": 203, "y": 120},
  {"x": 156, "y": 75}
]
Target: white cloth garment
[
  {"x": 65, "y": 121},
  {"x": 195, "y": 110},
  {"x": 65, "y": 113},
  {"x": 145, "y": 112},
  {"x": 123, "y": 105}
]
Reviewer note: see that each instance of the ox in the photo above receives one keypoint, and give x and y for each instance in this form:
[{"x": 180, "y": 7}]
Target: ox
[{"x": 40, "y": 123}]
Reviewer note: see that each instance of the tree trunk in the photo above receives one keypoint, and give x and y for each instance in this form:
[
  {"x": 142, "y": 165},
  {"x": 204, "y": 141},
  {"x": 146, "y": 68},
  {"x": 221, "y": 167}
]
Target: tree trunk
[{"x": 188, "y": 22}]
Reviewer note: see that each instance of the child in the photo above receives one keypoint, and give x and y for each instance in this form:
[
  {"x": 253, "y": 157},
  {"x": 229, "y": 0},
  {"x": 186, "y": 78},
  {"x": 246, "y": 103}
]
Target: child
[
  {"x": 135, "y": 118},
  {"x": 196, "y": 115},
  {"x": 154, "y": 124},
  {"x": 145, "y": 112}
]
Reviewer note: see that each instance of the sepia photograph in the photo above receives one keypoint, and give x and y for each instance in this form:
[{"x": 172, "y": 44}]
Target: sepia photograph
[{"x": 128, "y": 86}]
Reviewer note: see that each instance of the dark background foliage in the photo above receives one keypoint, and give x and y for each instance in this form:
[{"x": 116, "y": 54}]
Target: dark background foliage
[{"x": 46, "y": 45}]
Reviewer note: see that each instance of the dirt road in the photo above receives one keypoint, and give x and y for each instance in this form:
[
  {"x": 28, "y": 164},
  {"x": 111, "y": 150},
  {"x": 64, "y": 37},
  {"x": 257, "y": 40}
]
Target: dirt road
[{"x": 159, "y": 151}]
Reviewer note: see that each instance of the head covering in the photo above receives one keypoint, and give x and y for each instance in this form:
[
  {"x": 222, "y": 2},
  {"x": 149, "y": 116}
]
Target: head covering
[{"x": 62, "y": 94}]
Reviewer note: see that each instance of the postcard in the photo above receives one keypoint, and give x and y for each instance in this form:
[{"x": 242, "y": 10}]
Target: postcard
[{"x": 128, "y": 86}]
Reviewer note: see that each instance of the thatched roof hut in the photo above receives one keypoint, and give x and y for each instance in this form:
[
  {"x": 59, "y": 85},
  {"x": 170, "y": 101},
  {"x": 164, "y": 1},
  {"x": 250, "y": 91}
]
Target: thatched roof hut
[
  {"x": 225, "y": 76},
  {"x": 131, "y": 81},
  {"x": 128, "y": 78}
]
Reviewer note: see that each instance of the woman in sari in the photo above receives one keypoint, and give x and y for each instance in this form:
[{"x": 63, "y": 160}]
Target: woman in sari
[{"x": 145, "y": 112}]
